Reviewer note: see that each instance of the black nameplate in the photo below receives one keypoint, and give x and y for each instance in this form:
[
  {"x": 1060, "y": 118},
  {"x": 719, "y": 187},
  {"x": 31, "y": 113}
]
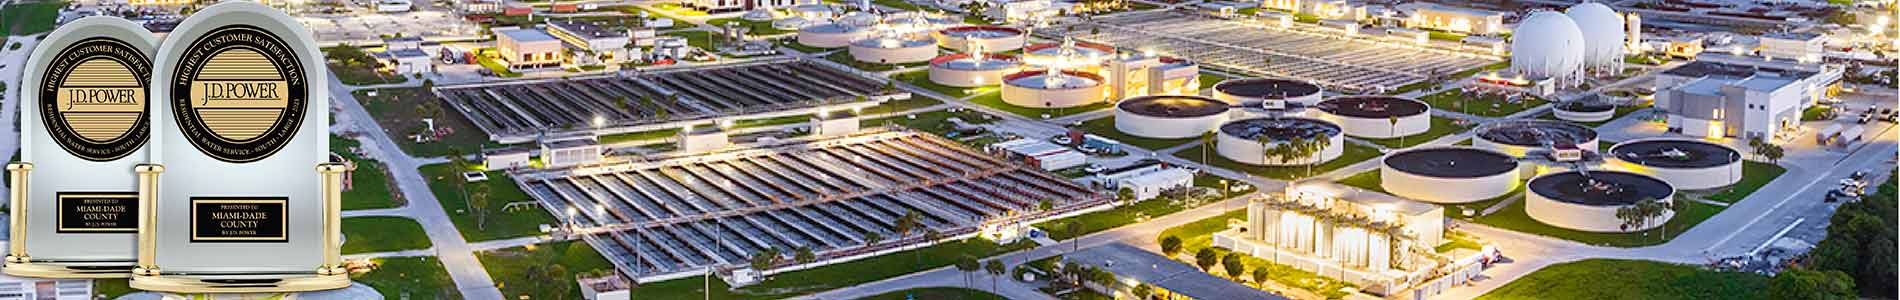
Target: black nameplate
[
  {"x": 98, "y": 212},
  {"x": 239, "y": 219}
]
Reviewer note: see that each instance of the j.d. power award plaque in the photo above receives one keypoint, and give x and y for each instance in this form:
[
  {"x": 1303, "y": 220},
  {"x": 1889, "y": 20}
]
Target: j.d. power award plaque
[
  {"x": 83, "y": 129},
  {"x": 244, "y": 197}
]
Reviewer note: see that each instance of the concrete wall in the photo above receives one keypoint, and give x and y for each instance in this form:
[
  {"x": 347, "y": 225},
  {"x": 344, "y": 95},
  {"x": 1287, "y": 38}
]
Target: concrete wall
[
  {"x": 906, "y": 55},
  {"x": 1445, "y": 190},
  {"x": 1381, "y": 127},
  {"x": 1166, "y": 128},
  {"x": 1248, "y": 151}
]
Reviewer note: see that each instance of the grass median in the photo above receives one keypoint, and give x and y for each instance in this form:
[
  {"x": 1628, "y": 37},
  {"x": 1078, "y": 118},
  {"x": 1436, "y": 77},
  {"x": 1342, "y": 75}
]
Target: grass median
[
  {"x": 1631, "y": 279},
  {"x": 382, "y": 234},
  {"x": 503, "y": 222}
]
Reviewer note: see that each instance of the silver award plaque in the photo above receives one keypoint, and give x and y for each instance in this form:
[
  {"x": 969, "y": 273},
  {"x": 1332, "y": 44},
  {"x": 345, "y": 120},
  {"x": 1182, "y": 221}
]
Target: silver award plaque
[
  {"x": 83, "y": 129},
  {"x": 245, "y": 199}
]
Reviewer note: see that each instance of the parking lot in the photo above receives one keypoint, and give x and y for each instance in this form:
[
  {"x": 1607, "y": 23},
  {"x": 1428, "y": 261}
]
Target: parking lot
[
  {"x": 686, "y": 213},
  {"x": 1329, "y": 59},
  {"x": 530, "y": 107}
]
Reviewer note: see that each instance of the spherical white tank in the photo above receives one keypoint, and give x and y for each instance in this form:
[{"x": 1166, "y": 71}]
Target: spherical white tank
[{"x": 1547, "y": 45}]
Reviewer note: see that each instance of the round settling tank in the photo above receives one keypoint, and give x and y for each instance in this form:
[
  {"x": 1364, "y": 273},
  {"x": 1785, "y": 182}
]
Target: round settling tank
[
  {"x": 1237, "y": 91},
  {"x": 831, "y": 35},
  {"x": 1584, "y": 111},
  {"x": 1373, "y": 116},
  {"x": 1039, "y": 89},
  {"x": 992, "y": 38},
  {"x": 893, "y": 50},
  {"x": 1448, "y": 174},
  {"x": 1241, "y": 140},
  {"x": 1685, "y": 163},
  {"x": 1086, "y": 57},
  {"x": 1169, "y": 116},
  {"x": 1517, "y": 137},
  {"x": 965, "y": 70},
  {"x": 1588, "y": 201}
]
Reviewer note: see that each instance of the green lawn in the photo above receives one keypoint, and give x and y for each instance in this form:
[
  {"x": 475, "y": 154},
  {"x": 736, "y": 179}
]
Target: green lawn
[
  {"x": 1105, "y": 127},
  {"x": 677, "y": 9},
  {"x": 29, "y": 18},
  {"x": 1441, "y": 126},
  {"x": 1370, "y": 180},
  {"x": 946, "y": 293},
  {"x": 112, "y": 288},
  {"x": 922, "y": 79},
  {"x": 409, "y": 278},
  {"x": 1200, "y": 234},
  {"x": 369, "y": 183},
  {"x": 793, "y": 43},
  {"x": 803, "y": 282},
  {"x": 484, "y": 57},
  {"x": 1486, "y": 105},
  {"x": 1445, "y": 35},
  {"x": 1208, "y": 80},
  {"x": 1754, "y": 176},
  {"x": 1816, "y": 113},
  {"x": 935, "y": 121},
  {"x": 1353, "y": 153},
  {"x": 995, "y": 100},
  {"x": 1126, "y": 214},
  {"x": 915, "y": 102},
  {"x": 502, "y": 190},
  {"x": 639, "y": 136},
  {"x": 395, "y": 110},
  {"x": 1513, "y": 218},
  {"x": 1612, "y": 279},
  {"x": 1491, "y": 67},
  {"x": 755, "y": 27},
  {"x": 360, "y": 75},
  {"x": 509, "y": 267},
  {"x": 844, "y": 57},
  {"x": 695, "y": 38},
  {"x": 382, "y": 234}
]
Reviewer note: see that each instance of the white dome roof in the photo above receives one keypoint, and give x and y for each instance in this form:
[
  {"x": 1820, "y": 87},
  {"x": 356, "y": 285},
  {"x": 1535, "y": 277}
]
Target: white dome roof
[
  {"x": 1547, "y": 44},
  {"x": 1602, "y": 34}
]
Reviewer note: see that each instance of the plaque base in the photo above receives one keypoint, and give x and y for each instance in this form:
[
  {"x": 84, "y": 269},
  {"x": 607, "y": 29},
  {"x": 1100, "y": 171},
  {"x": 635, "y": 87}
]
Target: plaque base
[
  {"x": 240, "y": 283},
  {"x": 42, "y": 269}
]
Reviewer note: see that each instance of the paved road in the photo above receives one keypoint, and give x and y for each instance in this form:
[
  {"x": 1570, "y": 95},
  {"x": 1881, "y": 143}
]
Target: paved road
[{"x": 455, "y": 252}]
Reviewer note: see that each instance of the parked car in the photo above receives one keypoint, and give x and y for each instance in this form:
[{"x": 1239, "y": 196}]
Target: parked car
[
  {"x": 1095, "y": 168},
  {"x": 1835, "y": 195},
  {"x": 1062, "y": 140}
]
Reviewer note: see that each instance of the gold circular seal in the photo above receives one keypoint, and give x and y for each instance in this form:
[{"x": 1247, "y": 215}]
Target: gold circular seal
[
  {"x": 92, "y": 101},
  {"x": 240, "y": 93}
]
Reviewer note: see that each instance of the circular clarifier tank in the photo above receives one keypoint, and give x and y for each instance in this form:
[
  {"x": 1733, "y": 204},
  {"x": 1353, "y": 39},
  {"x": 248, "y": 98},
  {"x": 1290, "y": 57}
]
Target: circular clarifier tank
[
  {"x": 965, "y": 70},
  {"x": 990, "y": 38},
  {"x": 1685, "y": 163},
  {"x": 1517, "y": 137},
  {"x": 1249, "y": 90},
  {"x": 893, "y": 50},
  {"x": 1588, "y": 200},
  {"x": 1448, "y": 174},
  {"x": 1373, "y": 116},
  {"x": 831, "y": 35},
  {"x": 1041, "y": 89},
  {"x": 1169, "y": 116},
  {"x": 1247, "y": 140}
]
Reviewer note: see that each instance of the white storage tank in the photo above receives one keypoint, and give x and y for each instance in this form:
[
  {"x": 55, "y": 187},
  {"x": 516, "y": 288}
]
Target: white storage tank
[
  {"x": 1448, "y": 174},
  {"x": 1039, "y": 89},
  {"x": 831, "y": 35},
  {"x": 992, "y": 38},
  {"x": 1587, "y": 201},
  {"x": 1246, "y": 140},
  {"x": 1687, "y": 164},
  {"x": 1517, "y": 137},
  {"x": 965, "y": 70},
  {"x": 1374, "y": 116},
  {"x": 1169, "y": 116},
  {"x": 1253, "y": 90},
  {"x": 893, "y": 50}
]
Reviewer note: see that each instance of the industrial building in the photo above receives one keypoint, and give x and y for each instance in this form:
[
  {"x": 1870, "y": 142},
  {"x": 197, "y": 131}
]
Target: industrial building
[
  {"x": 1805, "y": 47},
  {"x": 521, "y": 111},
  {"x": 591, "y": 44},
  {"x": 1707, "y": 98},
  {"x": 1151, "y": 184},
  {"x": 1170, "y": 279},
  {"x": 1133, "y": 75},
  {"x": 1453, "y": 19},
  {"x": 1588, "y": 200},
  {"x": 558, "y": 153},
  {"x": 1383, "y": 244},
  {"x": 683, "y": 215},
  {"x": 1041, "y": 154},
  {"x": 527, "y": 48}
]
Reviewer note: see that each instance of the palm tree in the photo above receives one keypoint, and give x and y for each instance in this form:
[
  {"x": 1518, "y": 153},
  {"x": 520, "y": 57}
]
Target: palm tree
[
  {"x": 1144, "y": 291},
  {"x": 803, "y": 255},
  {"x": 871, "y": 238},
  {"x": 478, "y": 203},
  {"x": 458, "y": 160},
  {"x": 1261, "y": 275},
  {"x": 905, "y": 225},
  {"x": 968, "y": 264},
  {"x": 548, "y": 274},
  {"x": 996, "y": 269},
  {"x": 1643, "y": 212},
  {"x": 764, "y": 259},
  {"x": 1207, "y": 141}
]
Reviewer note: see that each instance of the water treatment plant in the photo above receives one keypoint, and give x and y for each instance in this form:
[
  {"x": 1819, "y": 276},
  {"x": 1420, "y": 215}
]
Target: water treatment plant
[
  {"x": 1449, "y": 174},
  {"x": 1377, "y": 116},
  {"x": 1249, "y": 140},
  {"x": 1169, "y": 117},
  {"x": 1687, "y": 164},
  {"x": 1589, "y": 200}
]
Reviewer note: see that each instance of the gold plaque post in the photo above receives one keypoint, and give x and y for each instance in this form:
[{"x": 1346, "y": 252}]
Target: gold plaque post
[
  {"x": 16, "y": 247},
  {"x": 332, "y": 177},
  {"x": 148, "y": 219}
]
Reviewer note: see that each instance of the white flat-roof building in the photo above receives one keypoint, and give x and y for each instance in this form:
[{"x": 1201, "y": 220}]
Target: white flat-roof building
[
  {"x": 1148, "y": 185},
  {"x": 1382, "y": 243},
  {"x": 406, "y": 61},
  {"x": 569, "y": 152},
  {"x": 591, "y": 43},
  {"x": 1804, "y": 47},
  {"x": 1045, "y": 155},
  {"x": 721, "y": 6},
  {"x": 1141, "y": 75},
  {"x": 506, "y": 158},
  {"x": 1453, "y": 19},
  {"x": 527, "y": 48},
  {"x": 476, "y": 7},
  {"x": 1722, "y": 99}
]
